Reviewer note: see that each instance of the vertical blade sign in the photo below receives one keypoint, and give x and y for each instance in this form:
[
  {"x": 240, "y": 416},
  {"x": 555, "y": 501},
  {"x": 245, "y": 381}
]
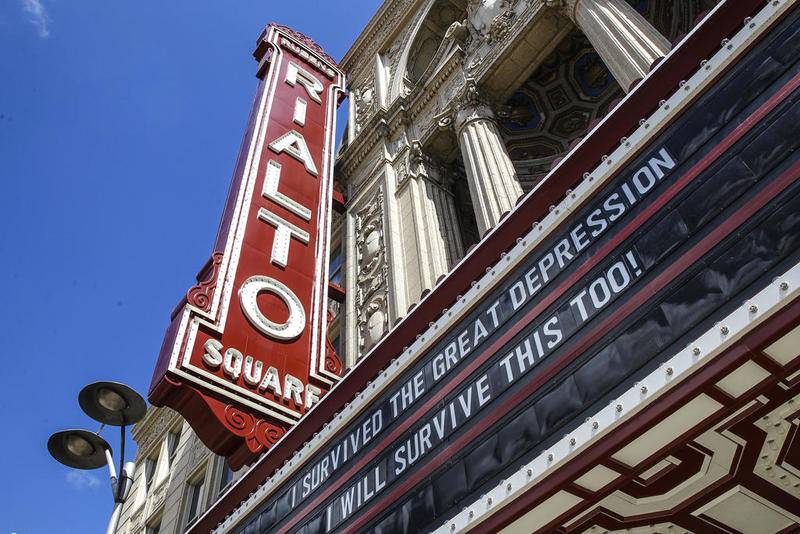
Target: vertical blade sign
[{"x": 246, "y": 355}]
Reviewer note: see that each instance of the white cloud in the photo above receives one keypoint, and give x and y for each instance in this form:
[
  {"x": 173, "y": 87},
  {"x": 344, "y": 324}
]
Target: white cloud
[
  {"x": 81, "y": 480},
  {"x": 37, "y": 15}
]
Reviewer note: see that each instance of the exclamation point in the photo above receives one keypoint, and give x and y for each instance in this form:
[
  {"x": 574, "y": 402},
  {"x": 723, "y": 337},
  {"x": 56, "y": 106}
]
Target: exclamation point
[{"x": 632, "y": 262}]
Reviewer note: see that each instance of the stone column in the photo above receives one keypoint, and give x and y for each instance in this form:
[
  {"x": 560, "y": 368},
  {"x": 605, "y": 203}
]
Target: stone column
[
  {"x": 627, "y": 43},
  {"x": 438, "y": 235},
  {"x": 493, "y": 185},
  {"x": 431, "y": 237}
]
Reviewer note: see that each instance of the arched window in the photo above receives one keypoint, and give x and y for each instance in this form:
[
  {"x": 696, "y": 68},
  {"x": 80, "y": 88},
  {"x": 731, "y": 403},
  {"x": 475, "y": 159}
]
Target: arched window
[{"x": 430, "y": 35}]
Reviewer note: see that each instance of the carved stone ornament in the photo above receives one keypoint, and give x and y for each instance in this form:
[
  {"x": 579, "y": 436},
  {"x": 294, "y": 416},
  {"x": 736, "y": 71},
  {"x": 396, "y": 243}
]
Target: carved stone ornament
[
  {"x": 501, "y": 24},
  {"x": 364, "y": 98},
  {"x": 372, "y": 274},
  {"x": 468, "y": 105},
  {"x": 154, "y": 429},
  {"x": 136, "y": 522},
  {"x": 417, "y": 159},
  {"x": 444, "y": 120},
  {"x": 490, "y": 19},
  {"x": 458, "y": 32}
]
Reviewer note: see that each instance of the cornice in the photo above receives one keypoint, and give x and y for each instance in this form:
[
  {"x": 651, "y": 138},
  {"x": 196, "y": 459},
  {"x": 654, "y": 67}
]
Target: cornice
[
  {"x": 373, "y": 132},
  {"x": 156, "y": 419},
  {"x": 384, "y": 123},
  {"x": 476, "y": 63},
  {"x": 389, "y": 17}
]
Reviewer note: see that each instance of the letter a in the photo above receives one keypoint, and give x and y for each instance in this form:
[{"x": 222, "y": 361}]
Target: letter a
[{"x": 295, "y": 145}]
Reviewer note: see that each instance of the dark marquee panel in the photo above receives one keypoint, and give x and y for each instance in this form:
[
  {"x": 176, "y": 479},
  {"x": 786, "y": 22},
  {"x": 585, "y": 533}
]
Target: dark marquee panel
[
  {"x": 691, "y": 227},
  {"x": 699, "y": 221}
]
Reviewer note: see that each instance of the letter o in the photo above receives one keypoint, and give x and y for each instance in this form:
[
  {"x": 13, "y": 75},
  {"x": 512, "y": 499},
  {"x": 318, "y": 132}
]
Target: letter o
[
  {"x": 293, "y": 326},
  {"x": 594, "y": 293},
  {"x": 622, "y": 278}
]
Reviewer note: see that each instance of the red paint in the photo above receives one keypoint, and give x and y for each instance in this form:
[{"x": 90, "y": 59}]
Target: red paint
[{"x": 234, "y": 418}]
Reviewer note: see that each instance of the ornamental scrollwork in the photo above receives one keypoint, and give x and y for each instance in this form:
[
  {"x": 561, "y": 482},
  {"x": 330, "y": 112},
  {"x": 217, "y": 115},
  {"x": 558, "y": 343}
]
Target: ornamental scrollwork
[
  {"x": 490, "y": 20},
  {"x": 201, "y": 295},
  {"x": 373, "y": 270},
  {"x": 364, "y": 99},
  {"x": 333, "y": 363},
  {"x": 257, "y": 433}
]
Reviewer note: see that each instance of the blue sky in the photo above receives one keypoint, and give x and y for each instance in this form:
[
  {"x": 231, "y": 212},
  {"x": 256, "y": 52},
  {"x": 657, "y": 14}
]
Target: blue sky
[{"x": 119, "y": 127}]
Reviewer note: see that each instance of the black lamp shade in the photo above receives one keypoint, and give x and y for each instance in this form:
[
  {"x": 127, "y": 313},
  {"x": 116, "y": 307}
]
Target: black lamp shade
[
  {"x": 80, "y": 449},
  {"x": 112, "y": 403}
]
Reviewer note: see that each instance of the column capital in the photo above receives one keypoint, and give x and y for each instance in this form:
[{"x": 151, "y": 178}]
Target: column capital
[
  {"x": 565, "y": 6},
  {"x": 469, "y": 105},
  {"x": 492, "y": 180},
  {"x": 478, "y": 111}
]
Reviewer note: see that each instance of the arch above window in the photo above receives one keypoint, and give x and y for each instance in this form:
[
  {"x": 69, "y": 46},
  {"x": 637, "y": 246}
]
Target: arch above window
[{"x": 427, "y": 39}]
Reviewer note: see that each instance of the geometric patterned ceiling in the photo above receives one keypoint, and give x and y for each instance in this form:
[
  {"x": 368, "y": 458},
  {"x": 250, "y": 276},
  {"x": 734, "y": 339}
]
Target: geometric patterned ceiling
[
  {"x": 572, "y": 88},
  {"x": 558, "y": 102}
]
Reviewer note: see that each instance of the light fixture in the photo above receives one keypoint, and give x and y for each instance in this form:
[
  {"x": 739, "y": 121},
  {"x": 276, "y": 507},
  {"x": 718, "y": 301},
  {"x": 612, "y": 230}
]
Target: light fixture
[
  {"x": 79, "y": 449},
  {"x": 110, "y": 403}
]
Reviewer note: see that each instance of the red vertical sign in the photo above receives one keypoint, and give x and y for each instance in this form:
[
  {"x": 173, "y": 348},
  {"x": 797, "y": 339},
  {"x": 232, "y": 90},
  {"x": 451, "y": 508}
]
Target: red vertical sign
[{"x": 246, "y": 353}]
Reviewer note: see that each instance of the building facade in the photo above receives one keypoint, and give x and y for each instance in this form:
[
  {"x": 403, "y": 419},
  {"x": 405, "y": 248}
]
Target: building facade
[
  {"x": 477, "y": 131},
  {"x": 457, "y": 109}
]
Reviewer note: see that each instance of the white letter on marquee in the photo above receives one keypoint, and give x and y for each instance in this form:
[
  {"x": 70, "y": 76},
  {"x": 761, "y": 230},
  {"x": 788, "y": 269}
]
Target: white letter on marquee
[
  {"x": 300, "y": 111},
  {"x": 297, "y": 74},
  {"x": 284, "y": 232},
  {"x": 270, "y": 191},
  {"x": 212, "y": 357},
  {"x": 233, "y": 363},
  {"x": 295, "y": 145},
  {"x": 293, "y": 326}
]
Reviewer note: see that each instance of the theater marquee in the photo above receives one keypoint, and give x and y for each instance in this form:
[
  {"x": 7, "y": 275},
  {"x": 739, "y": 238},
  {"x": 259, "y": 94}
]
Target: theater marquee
[
  {"x": 693, "y": 214},
  {"x": 246, "y": 354}
]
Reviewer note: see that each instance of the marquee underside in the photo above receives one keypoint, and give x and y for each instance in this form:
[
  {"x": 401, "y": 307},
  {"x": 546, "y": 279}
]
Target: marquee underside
[{"x": 718, "y": 453}]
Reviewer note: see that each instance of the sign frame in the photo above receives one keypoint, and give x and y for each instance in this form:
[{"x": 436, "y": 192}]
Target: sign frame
[{"x": 242, "y": 421}]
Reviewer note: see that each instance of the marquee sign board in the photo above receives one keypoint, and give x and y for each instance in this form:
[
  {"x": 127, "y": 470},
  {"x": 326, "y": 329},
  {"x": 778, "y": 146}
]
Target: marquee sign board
[
  {"x": 697, "y": 222},
  {"x": 246, "y": 354}
]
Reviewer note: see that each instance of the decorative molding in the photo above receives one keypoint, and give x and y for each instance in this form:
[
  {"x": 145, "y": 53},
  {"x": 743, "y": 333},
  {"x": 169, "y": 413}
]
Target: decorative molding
[
  {"x": 152, "y": 429},
  {"x": 386, "y": 21},
  {"x": 201, "y": 295},
  {"x": 372, "y": 272},
  {"x": 365, "y": 103},
  {"x": 490, "y": 20},
  {"x": 310, "y": 44},
  {"x": 136, "y": 522},
  {"x": 258, "y": 434}
]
